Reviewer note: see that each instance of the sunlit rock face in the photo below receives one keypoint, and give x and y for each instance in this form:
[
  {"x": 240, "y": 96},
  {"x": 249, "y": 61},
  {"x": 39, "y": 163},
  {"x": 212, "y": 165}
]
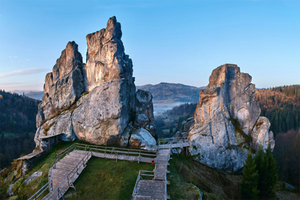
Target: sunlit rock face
[
  {"x": 64, "y": 85},
  {"x": 94, "y": 102},
  {"x": 227, "y": 121},
  {"x": 106, "y": 60}
]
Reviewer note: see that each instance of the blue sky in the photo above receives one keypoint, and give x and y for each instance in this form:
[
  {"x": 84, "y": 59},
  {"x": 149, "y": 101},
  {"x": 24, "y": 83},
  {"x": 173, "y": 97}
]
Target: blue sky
[{"x": 168, "y": 40}]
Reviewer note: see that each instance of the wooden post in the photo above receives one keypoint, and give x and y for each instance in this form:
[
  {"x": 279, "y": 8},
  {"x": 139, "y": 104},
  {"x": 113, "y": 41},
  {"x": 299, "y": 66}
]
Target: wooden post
[{"x": 139, "y": 157}]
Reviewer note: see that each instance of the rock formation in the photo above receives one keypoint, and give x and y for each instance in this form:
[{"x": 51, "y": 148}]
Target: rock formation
[
  {"x": 95, "y": 102},
  {"x": 227, "y": 121}
]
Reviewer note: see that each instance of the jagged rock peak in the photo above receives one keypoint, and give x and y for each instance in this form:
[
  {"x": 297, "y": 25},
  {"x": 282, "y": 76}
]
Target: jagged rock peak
[
  {"x": 106, "y": 59},
  {"x": 95, "y": 102},
  {"x": 227, "y": 121},
  {"x": 70, "y": 58},
  {"x": 113, "y": 29},
  {"x": 64, "y": 85}
]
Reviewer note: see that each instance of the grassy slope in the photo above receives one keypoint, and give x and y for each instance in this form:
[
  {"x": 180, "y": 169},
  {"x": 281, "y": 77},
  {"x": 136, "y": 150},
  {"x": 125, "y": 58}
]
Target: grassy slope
[
  {"x": 25, "y": 191},
  {"x": 185, "y": 172},
  {"x": 108, "y": 179}
]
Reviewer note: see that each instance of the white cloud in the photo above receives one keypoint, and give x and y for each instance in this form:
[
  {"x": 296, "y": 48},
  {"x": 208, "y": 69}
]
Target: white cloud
[{"x": 22, "y": 72}]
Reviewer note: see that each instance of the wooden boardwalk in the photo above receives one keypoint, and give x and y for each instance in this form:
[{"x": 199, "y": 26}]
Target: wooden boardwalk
[
  {"x": 161, "y": 165},
  {"x": 64, "y": 173},
  {"x": 71, "y": 162}
]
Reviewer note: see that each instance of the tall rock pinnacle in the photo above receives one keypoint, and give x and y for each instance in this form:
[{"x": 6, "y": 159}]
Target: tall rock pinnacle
[
  {"x": 106, "y": 60},
  {"x": 227, "y": 121},
  {"x": 94, "y": 102}
]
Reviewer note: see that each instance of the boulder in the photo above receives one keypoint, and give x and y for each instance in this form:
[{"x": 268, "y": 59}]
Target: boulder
[
  {"x": 141, "y": 138},
  {"x": 261, "y": 134},
  {"x": 144, "y": 111},
  {"x": 227, "y": 121}
]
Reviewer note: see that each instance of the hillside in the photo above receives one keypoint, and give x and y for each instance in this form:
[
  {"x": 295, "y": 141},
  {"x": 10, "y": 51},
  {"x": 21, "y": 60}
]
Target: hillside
[
  {"x": 108, "y": 179},
  {"x": 17, "y": 126},
  {"x": 172, "y": 92},
  {"x": 38, "y": 95},
  {"x": 169, "y": 122},
  {"x": 169, "y": 95},
  {"x": 281, "y": 105}
]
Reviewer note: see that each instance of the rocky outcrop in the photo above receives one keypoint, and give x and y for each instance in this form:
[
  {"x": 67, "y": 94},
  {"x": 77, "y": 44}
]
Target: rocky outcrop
[
  {"x": 63, "y": 86},
  {"x": 95, "y": 102},
  {"x": 227, "y": 121},
  {"x": 141, "y": 138},
  {"x": 144, "y": 111}
]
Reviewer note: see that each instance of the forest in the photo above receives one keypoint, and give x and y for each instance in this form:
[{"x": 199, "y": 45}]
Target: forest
[
  {"x": 17, "y": 126},
  {"x": 281, "y": 105}
]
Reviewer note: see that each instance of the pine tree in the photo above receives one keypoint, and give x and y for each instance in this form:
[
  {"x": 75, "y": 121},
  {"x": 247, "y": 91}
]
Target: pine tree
[
  {"x": 262, "y": 168},
  {"x": 250, "y": 179},
  {"x": 272, "y": 174}
]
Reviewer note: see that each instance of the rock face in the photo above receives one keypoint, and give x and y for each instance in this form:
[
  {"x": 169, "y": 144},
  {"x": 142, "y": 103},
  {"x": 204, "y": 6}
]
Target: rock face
[
  {"x": 95, "y": 102},
  {"x": 144, "y": 111},
  {"x": 227, "y": 121},
  {"x": 64, "y": 85}
]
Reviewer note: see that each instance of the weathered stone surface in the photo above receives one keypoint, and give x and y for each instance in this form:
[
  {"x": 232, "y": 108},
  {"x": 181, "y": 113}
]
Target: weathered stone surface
[
  {"x": 106, "y": 60},
  {"x": 105, "y": 112},
  {"x": 141, "y": 138},
  {"x": 60, "y": 125},
  {"x": 187, "y": 124},
  {"x": 226, "y": 121},
  {"x": 95, "y": 102},
  {"x": 261, "y": 134},
  {"x": 64, "y": 85},
  {"x": 144, "y": 111}
]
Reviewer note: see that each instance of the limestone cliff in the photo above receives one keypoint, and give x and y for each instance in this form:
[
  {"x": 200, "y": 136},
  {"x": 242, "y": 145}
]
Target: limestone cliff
[
  {"x": 227, "y": 121},
  {"x": 97, "y": 101}
]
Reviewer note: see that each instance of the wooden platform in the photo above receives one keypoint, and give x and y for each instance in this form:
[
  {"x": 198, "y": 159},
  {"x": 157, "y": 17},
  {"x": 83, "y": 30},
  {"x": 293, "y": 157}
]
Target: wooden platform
[
  {"x": 157, "y": 187},
  {"x": 151, "y": 189}
]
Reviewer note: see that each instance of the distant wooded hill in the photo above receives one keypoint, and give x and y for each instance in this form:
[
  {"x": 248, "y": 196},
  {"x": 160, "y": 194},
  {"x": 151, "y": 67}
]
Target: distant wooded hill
[
  {"x": 17, "y": 126},
  {"x": 38, "y": 95},
  {"x": 281, "y": 105},
  {"x": 173, "y": 91}
]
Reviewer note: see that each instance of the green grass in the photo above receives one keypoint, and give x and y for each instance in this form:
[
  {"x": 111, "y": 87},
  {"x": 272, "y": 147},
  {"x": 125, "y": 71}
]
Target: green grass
[
  {"x": 179, "y": 187},
  {"x": 24, "y": 191},
  {"x": 186, "y": 172},
  {"x": 107, "y": 179}
]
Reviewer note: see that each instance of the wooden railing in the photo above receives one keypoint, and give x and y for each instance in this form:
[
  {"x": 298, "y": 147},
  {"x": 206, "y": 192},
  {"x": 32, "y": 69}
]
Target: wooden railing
[
  {"x": 90, "y": 148},
  {"x": 147, "y": 175},
  {"x": 48, "y": 185},
  {"x": 116, "y": 150},
  {"x": 61, "y": 189}
]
